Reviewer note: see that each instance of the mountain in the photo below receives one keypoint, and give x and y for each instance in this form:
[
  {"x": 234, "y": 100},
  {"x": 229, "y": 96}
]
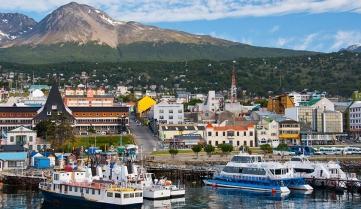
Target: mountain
[
  {"x": 75, "y": 32},
  {"x": 13, "y": 25},
  {"x": 353, "y": 48}
]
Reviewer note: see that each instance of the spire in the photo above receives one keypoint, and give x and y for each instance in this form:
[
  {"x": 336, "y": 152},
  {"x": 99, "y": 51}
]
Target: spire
[{"x": 233, "y": 96}]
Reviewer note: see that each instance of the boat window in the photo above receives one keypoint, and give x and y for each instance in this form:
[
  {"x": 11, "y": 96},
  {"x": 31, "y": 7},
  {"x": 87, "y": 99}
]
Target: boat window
[
  {"x": 296, "y": 159},
  {"x": 259, "y": 159},
  {"x": 140, "y": 194},
  {"x": 253, "y": 171},
  {"x": 137, "y": 194},
  {"x": 276, "y": 171},
  {"x": 117, "y": 195},
  {"x": 231, "y": 169},
  {"x": 126, "y": 195},
  {"x": 109, "y": 194},
  {"x": 301, "y": 170},
  {"x": 241, "y": 159},
  {"x": 132, "y": 195}
]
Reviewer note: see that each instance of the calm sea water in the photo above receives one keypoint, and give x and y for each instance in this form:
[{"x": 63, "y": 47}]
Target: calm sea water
[{"x": 206, "y": 197}]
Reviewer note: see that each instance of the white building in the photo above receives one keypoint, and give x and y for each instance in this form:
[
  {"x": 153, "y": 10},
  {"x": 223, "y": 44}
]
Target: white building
[
  {"x": 24, "y": 137},
  {"x": 167, "y": 113},
  {"x": 267, "y": 132},
  {"x": 355, "y": 119},
  {"x": 213, "y": 103},
  {"x": 236, "y": 135},
  {"x": 122, "y": 90}
]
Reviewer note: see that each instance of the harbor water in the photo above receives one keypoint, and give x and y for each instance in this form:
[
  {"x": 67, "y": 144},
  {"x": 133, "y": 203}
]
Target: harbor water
[{"x": 198, "y": 197}]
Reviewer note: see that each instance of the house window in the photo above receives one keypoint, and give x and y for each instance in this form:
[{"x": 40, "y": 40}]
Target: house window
[
  {"x": 11, "y": 139},
  {"x": 30, "y": 138},
  {"x": 209, "y": 142},
  {"x": 171, "y": 117},
  {"x": 245, "y": 143},
  {"x": 224, "y": 134},
  {"x": 180, "y": 111},
  {"x": 170, "y": 111},
  {"x": 209, "y": 133},
  {"x": 237, "y": 133},
  {"x": 216, "y": 143},
  {"x": 250, "y": 133},
  {"x": 251, "y": 143},
  {"x": 244, "y": 133},
  {"x": 161, "y": 111},
  {"x": 217, "y": 133},
  {"x": 237, "y": 143}
]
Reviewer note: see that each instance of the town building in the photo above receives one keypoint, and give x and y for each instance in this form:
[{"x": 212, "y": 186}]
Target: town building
[
  {"x": 355, "y": 119},
  {"x": 13, "y": 160},
  {"x": 168, "y": 132},
  {"x": 289, "y": 131},
  {"x": 185, "y": 141},
  {"x": 267, "y": 132},
  {"x": 167, "y": 113},
  {"x": 213, "y": 103},
  {"x": 105, "y": 119},
  {"x": 87, "y": 98},
  {"x": 237, "y": 135},
  {"x": 278, "y": 104},
  {"x": 24, "y": 137}
]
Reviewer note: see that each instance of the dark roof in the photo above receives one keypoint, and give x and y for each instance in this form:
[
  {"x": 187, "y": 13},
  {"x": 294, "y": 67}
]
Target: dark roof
[
  {"x": 54, "y": 103},
  {"x": 19, "y": 109},
  {"x": 100, "y": 109},
  {"x": 11, "y": 148},
  {"x": 188, "y": 136}
]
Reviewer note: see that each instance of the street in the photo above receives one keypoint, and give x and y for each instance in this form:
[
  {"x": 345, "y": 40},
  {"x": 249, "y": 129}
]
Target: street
[{"x": 143, "y": 136}]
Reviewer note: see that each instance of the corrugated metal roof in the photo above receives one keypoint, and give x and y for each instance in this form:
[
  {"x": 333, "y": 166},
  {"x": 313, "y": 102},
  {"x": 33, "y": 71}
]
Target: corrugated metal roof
[{"x": 13, "y": 155}]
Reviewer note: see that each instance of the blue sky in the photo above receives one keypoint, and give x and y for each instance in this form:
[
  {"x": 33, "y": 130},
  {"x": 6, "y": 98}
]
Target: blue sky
[{"x": 317, "y": 25}]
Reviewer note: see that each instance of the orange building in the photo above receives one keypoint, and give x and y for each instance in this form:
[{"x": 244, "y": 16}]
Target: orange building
[
  {"x": 278, "y": 104},
  {"x": 89, "y": 98}
]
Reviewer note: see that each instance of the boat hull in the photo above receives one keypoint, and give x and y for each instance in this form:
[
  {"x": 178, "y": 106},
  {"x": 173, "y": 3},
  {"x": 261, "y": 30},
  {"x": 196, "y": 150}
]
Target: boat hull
[
  {"x": 177, "y": 193},
  {"x": 59, "y": 200},
  {"x": 245, "y": 186},
  {"x": 156, "y": 194}
]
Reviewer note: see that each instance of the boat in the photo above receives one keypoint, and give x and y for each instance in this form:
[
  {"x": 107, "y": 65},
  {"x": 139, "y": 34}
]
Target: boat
[
  {"x": 322, "y": 174},
  {"x": 154, "y": 189},
  {"x": 250, "y": 172},
  {"x": 80, "y": 188}
]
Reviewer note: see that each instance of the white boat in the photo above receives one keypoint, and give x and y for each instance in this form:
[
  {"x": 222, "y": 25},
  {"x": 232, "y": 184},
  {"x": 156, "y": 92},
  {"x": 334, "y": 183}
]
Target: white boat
[
  {"x": 327, "y": 174},
  {"x": 250, "y": 172},
  {"x": 79, "y": 188}
]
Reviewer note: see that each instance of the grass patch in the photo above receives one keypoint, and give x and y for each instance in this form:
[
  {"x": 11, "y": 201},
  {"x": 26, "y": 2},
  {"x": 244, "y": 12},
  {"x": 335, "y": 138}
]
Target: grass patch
[{"x": 102, "y": 141}]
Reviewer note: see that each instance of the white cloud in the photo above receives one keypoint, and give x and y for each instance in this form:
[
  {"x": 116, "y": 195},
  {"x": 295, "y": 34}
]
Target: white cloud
[
  {"x": 306, "y": 42},
  {"x": 187, "y": 10},
  {"x": 343, "y": 39},
  {"x": 274, "y": 29},
  {"x": 281, "y": 42}
]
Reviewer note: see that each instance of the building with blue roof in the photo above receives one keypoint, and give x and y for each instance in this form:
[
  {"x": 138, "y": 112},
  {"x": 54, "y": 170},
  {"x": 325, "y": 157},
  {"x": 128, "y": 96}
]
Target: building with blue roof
[{"x": 13, "y": 160}]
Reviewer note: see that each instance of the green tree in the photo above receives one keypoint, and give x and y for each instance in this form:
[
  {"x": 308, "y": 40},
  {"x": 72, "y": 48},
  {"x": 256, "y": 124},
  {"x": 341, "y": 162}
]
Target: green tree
[
  {"x": 196, "y": 149},
  {"x": 226, "y": 148},
  {"x": 173, "y": 152},
  {"x": 282, "y": 147},
  {"x": 209, "y": 149},
  {"x": 266, "y": 148}
]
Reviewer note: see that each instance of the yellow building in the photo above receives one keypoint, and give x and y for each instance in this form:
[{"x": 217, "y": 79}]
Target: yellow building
[
  {"x": 289, "y": 132},
  {"x": 145, "y": 104},
  {"x": 278, "y": 104}
]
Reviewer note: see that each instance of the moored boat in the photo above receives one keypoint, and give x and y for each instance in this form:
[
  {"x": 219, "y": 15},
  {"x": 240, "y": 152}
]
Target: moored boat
[
  {"x": 250, "y": 172},
  {"x": 78, "y": 188}
]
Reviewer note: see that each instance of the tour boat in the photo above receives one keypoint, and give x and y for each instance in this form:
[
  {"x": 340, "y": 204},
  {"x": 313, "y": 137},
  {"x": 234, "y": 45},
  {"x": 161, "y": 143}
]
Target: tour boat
[
  {"x": 250, "y": 172},
  {"x": 156, "y": 189},
  {"x": 80, "y": 188},
  {"x": 327, "y": 174}
]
